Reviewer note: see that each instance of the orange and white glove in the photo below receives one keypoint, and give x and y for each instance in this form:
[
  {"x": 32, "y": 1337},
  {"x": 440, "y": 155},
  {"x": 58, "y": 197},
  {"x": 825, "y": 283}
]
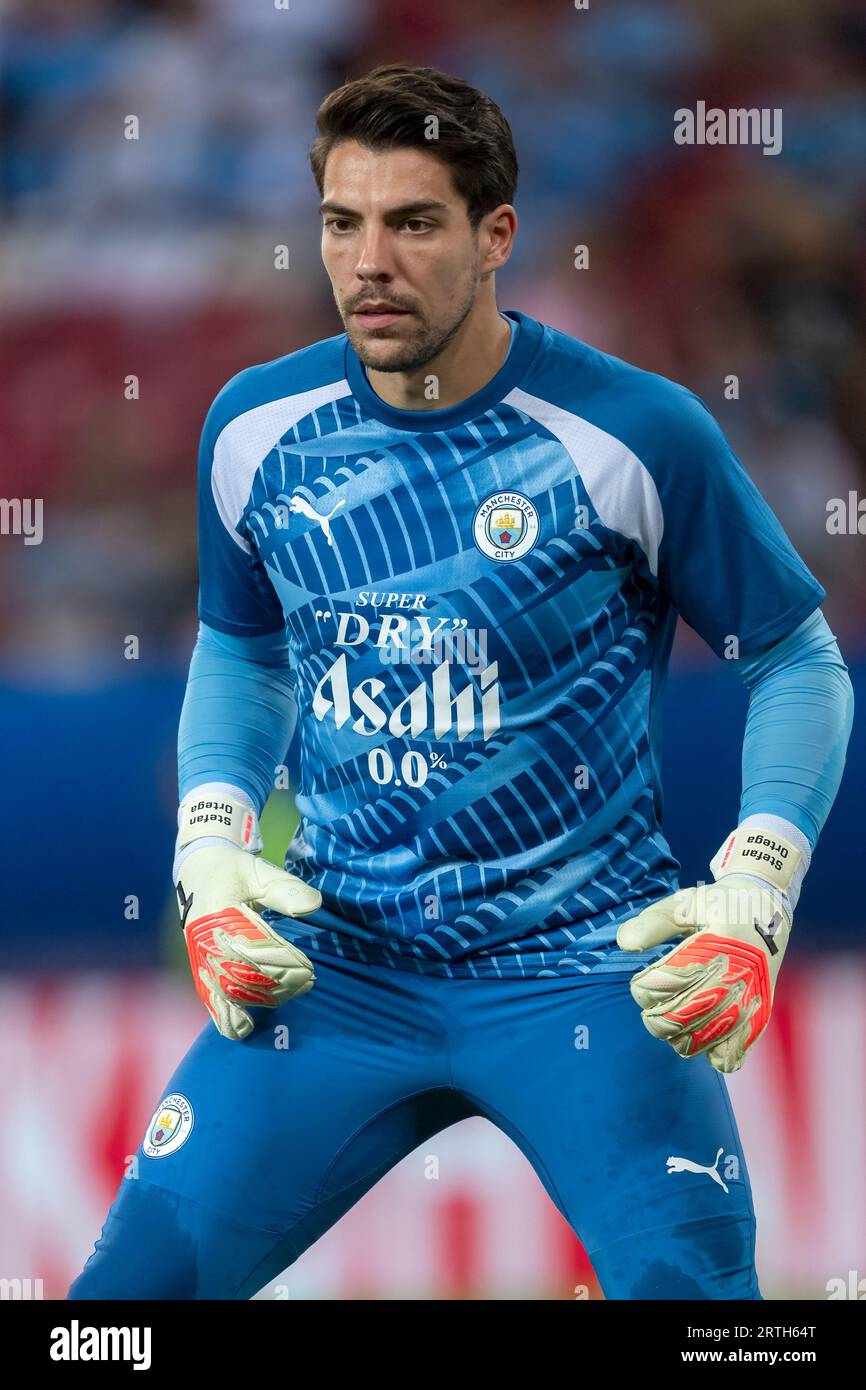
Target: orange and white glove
[
  {"x": 713, "y": 993},
  {"x": 236, "y": 958}
]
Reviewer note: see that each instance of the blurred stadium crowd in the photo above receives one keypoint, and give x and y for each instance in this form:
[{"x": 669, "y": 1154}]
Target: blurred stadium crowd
[{"x": 155, "y": 256}]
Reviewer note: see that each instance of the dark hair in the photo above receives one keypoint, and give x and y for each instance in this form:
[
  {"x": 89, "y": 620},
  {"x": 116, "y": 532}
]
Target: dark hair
[{"x": 390, "y": 109}]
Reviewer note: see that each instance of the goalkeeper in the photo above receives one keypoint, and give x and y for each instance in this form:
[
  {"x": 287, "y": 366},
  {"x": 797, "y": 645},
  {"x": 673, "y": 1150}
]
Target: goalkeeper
[{"x": 480, "y": 913}]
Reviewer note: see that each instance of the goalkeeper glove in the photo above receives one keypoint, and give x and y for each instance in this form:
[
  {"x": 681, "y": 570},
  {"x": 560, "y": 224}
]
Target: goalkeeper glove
[
  {"x": 235, "y": 957},
  {"x": 713, "y": 993}
]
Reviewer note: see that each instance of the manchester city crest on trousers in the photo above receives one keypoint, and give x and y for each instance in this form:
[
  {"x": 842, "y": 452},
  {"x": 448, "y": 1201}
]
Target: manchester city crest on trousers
[
  {"x": 169, "y": 1128},
  {"x": 505, "y": 526}
]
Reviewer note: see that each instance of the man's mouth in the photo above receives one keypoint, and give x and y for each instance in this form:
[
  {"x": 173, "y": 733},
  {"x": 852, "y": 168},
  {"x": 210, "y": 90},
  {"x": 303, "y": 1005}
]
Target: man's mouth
[{"x": 379, "y": 315}]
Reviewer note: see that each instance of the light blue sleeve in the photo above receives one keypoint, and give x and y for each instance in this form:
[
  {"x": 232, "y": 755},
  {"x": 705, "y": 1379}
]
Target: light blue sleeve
[
  {"x": 801, "y": 709},
  {"x": 239, "y": 713}
]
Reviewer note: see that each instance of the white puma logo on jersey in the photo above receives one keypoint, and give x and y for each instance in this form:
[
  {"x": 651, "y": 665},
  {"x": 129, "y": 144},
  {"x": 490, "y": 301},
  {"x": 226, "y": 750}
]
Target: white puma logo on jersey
[
  {"x": 685, "y": 1165},
  {"x": 300, "y": 505}
]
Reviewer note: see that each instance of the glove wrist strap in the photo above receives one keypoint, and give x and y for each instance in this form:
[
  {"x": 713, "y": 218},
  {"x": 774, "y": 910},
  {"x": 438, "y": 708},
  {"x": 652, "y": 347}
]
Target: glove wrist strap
[
  {"x": 761, "y": 854},
  {"x": 218, "y": 811}
]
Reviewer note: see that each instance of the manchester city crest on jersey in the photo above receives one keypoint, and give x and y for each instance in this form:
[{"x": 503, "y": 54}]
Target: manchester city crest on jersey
[
  {"x": 169, "y": 1128},
  {"x": 505, "y": 526}
]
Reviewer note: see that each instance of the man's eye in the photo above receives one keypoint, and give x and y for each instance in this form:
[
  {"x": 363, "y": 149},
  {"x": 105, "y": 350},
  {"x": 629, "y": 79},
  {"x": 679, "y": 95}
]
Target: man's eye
[
  {"x": 338, "y": 223},
  {"x": 419, "y": 224}
]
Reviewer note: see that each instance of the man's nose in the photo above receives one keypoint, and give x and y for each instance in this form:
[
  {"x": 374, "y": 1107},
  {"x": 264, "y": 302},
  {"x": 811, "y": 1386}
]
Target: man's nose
[{"x": 373, "y": 257}]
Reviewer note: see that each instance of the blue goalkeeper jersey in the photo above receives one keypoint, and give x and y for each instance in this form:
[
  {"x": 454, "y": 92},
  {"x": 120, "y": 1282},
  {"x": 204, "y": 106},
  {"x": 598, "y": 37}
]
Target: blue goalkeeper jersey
[{"x": 478, "y": 605}]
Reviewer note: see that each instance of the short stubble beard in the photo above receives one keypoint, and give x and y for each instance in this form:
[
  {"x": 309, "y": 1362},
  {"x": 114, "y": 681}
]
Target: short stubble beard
[{"x": 426, "y": 344}]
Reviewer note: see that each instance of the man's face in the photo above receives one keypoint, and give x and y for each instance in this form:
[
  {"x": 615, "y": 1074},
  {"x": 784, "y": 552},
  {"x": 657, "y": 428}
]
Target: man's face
[{"x": 396, "y": 235}]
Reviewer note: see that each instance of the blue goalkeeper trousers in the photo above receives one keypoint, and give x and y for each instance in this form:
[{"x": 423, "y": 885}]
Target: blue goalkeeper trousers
[{"x": 260, "y": 1146}]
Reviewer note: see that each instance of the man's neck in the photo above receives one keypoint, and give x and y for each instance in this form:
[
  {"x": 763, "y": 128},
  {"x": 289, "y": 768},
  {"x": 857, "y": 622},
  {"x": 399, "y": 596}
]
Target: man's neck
[{"x": 466, "y": 365}]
